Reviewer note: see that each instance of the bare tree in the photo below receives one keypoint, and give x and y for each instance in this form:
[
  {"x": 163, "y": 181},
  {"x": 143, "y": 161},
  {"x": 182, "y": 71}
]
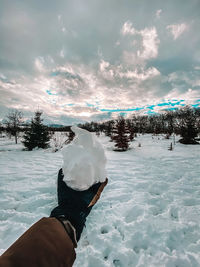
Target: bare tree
[
  {"x": 71, "y": 136},
  {"x": 14, "y": 119}
]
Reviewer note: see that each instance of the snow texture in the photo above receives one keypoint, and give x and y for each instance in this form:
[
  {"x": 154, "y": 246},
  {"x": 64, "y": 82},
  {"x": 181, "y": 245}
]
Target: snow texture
[
  {"x": 148, "y": 214},
  {"x": 84, "y": 161}
]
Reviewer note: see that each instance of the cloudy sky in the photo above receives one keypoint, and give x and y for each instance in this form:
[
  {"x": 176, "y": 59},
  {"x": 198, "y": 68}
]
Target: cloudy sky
[{"x": 95, "y": 59}]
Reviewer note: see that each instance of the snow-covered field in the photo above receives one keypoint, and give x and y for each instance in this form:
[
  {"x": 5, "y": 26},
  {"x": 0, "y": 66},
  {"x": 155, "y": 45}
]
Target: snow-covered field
[{"x": 148, "y": 215}]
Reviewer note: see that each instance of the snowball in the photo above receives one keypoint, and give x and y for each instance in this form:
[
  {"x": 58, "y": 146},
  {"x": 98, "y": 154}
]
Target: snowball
[{"x": 83, "y": 161}]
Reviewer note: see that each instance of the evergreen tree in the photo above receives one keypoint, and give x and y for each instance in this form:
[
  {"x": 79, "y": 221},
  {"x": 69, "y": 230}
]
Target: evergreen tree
[
  {"x": 37, "y": 135},
  {"x": 108, "y": 127},
  {"x": 169, "y": 118},
  {"x": 120, "y": 135},
  {"x": 187, "y": 125}
]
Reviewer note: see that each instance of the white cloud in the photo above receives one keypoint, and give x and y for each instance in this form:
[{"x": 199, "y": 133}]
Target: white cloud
[
  {"x": 39, "y": 64},
  {"x": 158, "y": 12},
  {"x": 2, "y": 76},
  {"x": 141, "y": 75},
  {"x": 99, "y": 52},
  {"x": 127, "y": 80},
  {"x": 103, "y": 65},
  {"x": 62, "y": 53},
  {"x": 150, "y": 43},
  {"x": 128, "y": 29},
  {"x": 148, "y": 48},
  {"x": 186, "y": 78},
  {"x": 177, "y": 29},
  {"x": 190, "y": 96},
  {"x": 63, "y": 29},
  {"x": 50, "y": 59},
  {"x": 30, "y": 93},
  {"x": 106, "y": 72}
]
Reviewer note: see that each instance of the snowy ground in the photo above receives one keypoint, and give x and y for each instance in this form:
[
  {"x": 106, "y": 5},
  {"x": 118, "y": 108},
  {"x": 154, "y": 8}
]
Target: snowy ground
[{"x": 148, "y": 214}]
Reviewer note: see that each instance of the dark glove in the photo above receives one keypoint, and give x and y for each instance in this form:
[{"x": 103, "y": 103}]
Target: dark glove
[{"x": 76, "y": 205}]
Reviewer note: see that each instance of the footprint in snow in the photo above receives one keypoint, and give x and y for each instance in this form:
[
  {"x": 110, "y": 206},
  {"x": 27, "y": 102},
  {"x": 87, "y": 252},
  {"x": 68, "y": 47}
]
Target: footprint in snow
[
  {"x": 117, "y": 263},
  {"x": 133, "y": 213},
  {"x": 174, "y": 213},
  {"x": 104, "y": 230}
]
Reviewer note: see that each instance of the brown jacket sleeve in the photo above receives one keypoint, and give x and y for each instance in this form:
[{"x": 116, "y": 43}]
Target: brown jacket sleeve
[{"x": 45, "y": 244}]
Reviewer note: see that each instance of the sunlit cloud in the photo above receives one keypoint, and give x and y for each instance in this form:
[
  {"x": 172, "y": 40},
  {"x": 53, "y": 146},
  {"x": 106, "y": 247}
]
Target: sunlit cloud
[
  {"x": 128, "y": 29},
  {"x": 148, "y": 44},
  {"x": 177, "y": 29},
  {"x": 140, "y": 75}
]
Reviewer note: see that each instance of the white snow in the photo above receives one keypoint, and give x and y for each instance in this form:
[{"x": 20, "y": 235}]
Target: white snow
[
  {"x": 148, "y": 214},
  {"x": 84, "y": 161}
]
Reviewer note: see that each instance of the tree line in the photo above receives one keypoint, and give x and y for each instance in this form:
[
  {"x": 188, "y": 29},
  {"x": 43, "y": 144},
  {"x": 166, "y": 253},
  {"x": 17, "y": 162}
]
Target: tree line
[{"x": 184, "y": 122}]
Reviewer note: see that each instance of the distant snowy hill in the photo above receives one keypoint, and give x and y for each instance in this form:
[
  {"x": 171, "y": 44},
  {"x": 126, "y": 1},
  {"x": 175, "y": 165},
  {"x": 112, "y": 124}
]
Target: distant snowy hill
[{"x": 56, "y": 125}]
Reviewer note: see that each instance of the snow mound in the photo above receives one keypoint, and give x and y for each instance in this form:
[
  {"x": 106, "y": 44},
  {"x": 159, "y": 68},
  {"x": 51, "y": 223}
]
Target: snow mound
[{"x": 84, "y": 161}]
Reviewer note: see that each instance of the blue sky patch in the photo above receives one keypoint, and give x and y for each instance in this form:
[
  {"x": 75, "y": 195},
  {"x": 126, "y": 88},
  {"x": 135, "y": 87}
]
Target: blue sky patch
[
  {"x": 121, "y": 110},
  {"x": 195, "y": 105},
  {"x": 89, "y": 105},
  {"x": 50, "y": 93}
]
